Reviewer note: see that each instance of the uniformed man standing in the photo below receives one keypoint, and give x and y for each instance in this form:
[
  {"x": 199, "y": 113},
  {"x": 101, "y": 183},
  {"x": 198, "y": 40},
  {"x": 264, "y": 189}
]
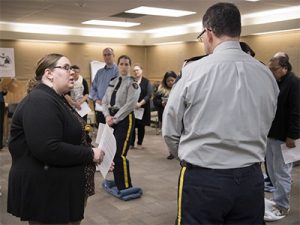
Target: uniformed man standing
[
  {"x": 119, "y": 102},
  {"x": 216, "y": 122}
]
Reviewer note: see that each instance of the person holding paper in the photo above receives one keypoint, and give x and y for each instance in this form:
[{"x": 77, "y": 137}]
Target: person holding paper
[
  {"x": 143, "y": 104},
  {"x": 119, "y": 102},
  {"x": 80, "y": 92},
  {"x": 53, "y": 163},
  {"x": 101, "y": 81},
  {"x": 285, "y": 130}
]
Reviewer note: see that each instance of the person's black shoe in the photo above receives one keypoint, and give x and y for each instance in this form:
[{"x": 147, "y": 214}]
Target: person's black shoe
[{"x": 170, "y": 157}]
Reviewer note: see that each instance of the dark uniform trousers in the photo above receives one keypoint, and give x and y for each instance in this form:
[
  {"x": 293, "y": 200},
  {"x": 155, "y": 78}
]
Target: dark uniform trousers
[
  {"x": 141, "y": 132},
  {"x": 220, "y": 196},
  {"x": 122, "y": 132}
]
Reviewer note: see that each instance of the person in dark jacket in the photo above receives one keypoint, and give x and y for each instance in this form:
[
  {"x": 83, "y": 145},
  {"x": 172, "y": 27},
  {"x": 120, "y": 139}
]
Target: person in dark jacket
[
  {"x": 3, "y": 92},
  {"x": 285, "y": 129},
  {"x": 143, "y": 103},
  {"x": 53, "y": 163}
]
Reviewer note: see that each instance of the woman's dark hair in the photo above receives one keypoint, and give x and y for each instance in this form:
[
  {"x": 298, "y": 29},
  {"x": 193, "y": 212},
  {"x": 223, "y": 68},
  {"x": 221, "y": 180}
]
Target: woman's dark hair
[
  {"x": 223, "y": 19},
  {"x": 47, "y": 62},
  {"x": 246, "y": 48},
  {"x": 166, "y": 76},
  {"x": 124, "y": 57}
]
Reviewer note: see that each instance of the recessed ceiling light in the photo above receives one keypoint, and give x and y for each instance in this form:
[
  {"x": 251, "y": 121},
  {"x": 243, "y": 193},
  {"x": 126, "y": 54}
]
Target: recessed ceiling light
[
  {"x": 159, "y": 11},
  {"x": 110, "y": 23},
  {"x": 252, "y": 0}
]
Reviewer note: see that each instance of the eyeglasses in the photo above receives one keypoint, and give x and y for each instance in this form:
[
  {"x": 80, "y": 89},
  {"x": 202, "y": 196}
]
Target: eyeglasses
[
  {"x": 65, "y": 67},
  {"x": 108, "y": 54},
  {"x": 200, "y": 38}
]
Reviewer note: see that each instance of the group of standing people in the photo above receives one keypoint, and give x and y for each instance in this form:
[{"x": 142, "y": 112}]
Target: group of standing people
[{"x": 225, "y": 104}]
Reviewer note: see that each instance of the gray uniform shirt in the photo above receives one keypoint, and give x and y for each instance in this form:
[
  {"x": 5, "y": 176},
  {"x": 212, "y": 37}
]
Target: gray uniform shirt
[
  {"x": 126, "y": 97},
  {"x": 219, "y": 113}
]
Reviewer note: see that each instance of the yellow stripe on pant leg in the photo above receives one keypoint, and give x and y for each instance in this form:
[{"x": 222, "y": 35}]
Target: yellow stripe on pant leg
[
  {"x": 183, "y": 169},
  {"x": 124, "y": 149}
]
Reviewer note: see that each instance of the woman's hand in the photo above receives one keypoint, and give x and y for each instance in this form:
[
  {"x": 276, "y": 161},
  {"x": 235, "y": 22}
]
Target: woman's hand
[
  {"x": 112, "y": 167},
  {"x": 98, "y": 155},
  {"x": 109, "y": 120}
]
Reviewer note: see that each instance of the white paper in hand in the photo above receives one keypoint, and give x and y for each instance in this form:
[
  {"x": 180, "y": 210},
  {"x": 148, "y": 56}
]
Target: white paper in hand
[
  {"x": 138, "y": 113},
  {"x": 85, "y": 109},
  {"x": 291, "y": 154},
  {"x": 98, "y": 107},
  {"x": 109, "y": 146}
]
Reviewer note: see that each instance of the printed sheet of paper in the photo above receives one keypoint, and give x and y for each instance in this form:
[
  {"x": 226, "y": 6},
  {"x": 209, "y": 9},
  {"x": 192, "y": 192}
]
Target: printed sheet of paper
[
  {"x": 291, "y": 154},
  {"x": 138, "y": 113},
  {"x": 85, "y": 109},
  {"x": 98, "y": 107},
  {"x": 107, "y": 143}
]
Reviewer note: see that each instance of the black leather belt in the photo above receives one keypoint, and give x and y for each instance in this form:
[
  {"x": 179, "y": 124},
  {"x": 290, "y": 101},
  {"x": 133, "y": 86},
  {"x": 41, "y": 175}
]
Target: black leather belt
[
  {"x": 188, "y": 165},
  {"x": 191, "y": 166}
]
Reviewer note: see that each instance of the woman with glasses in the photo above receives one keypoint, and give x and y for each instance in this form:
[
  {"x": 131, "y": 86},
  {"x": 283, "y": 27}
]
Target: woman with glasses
[
  {"x": 142, "y": 104},
  {"x": 53, "y": 163}
]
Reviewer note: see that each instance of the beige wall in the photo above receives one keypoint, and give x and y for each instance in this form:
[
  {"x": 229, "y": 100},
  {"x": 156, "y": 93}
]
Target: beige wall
[
  {"x": 156, "y": 59},
  {"x": 162, "y": 58},
  {"x": 265, "y": 46}
]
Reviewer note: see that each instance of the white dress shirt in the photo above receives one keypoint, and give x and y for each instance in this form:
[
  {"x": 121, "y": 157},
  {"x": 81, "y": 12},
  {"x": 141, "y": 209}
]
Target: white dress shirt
[{"x": 219, "y": 113}]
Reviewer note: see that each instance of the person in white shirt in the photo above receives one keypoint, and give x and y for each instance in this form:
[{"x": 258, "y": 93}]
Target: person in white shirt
[{"x": 216, "y": 122}]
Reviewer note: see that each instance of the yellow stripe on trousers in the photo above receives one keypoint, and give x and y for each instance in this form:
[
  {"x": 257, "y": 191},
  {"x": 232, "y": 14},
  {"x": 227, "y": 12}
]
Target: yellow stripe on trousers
[
  {"x": 124, "y": 149},
  {"x": 183, "y": 169}
]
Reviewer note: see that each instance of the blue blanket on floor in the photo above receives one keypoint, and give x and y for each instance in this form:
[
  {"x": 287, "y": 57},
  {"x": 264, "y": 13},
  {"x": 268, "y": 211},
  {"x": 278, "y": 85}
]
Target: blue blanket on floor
[{"x": 126, "y": 194}]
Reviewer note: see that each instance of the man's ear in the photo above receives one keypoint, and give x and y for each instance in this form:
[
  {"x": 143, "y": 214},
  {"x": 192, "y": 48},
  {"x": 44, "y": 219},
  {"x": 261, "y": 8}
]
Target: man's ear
[{"x": 210, "y": 36}]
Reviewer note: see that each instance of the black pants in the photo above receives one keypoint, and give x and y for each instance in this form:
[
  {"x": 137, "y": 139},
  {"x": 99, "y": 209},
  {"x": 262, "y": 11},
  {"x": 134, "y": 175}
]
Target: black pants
[
  {"x": 221, "y": 196},
  {"x": 140, "y": 133},
  {"x": 2, "y": 107},
  {"x": 100, "y": 118},
  {"x": 122, "y": 132}
]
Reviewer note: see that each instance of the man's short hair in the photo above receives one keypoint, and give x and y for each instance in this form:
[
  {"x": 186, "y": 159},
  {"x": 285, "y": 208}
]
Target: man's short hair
[
  {"x": 283, "y": 54},
  {"x": 124, "y": 57},
  {"x": 223, "y": 19},
  {"x": 109, "y": 49}
]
